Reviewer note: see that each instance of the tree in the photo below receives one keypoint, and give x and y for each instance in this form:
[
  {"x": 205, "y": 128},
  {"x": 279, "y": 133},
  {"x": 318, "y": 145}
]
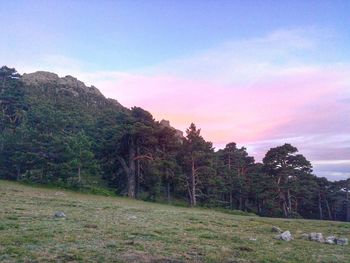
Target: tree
[
  {"x": 237, "y": 163},
  {"x": 262, "y": 191},
  {"x": 81, "y": 157},
  {"x": 137, "y": 144},
  {"x": 12, "y": 103},
  {"x": 57, "y": 130},
  {"x": 197, "y": 158},
  {"x": 167, "y": 165},
  {"x": 286, "y": 166}
]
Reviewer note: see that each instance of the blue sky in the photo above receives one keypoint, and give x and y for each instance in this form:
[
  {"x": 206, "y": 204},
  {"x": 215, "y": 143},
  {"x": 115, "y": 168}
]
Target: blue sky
[
  {"x": 127, "y": 35},
  {"x": 260, "y": 73}
]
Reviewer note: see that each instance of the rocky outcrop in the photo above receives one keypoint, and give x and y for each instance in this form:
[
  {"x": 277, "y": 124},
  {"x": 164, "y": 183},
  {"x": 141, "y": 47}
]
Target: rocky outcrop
[
  {"x": 286, "y": 236},
  {"x": 165, "y": 123},
  {"x": 40, "y": 77},
  {"x": 67, "y": 83},
  {"x": 276, "y": 229},
  {"x": 318, "y": 237},
  {"x": 342, "y": 241},
  {"x": 331, "y": 240}
]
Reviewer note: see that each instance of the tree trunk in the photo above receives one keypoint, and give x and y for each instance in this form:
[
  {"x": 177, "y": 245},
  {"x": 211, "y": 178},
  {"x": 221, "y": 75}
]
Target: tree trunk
[
  {"x": 190, "y": 194},
  {"x": 259, "y": 207},
  {"x": 285, "y": 211},
  {"x": 79, "y": 174},
  {"x": 193, "y": 184},
  {"x": 138, "y": 173},
  {"x": 240, "y": 207},
  {"x": 168, "y": 191},
  {"x": 131, "y": 172},
  {"x": 18, "y": 173},
  {"x": 320, "y": 206},
  {"x": 328, "y": 210},
  {"x": 289, "y": 198}
]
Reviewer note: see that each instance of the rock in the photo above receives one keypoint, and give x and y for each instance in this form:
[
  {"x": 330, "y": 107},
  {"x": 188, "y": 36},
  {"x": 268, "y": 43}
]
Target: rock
[
  {"x": 59, "y": 194},
  {"x": 331, "y": 240},
  {"x": 60, "y": 214},
  {"x": 286, "y": 236},
  {"x": 305, "y": 236},
  {"x": 342, "y": 241},
  {"x": 318, "y": 237},
  {"x": 276, "y": 229},
  {"x": 68, "y": 83},
  {"x": 90, "y": 226},
  {"x": 252, "y": 238},
  {"x": 132, "y": 217},
  {"x": 39, "y": 78}
]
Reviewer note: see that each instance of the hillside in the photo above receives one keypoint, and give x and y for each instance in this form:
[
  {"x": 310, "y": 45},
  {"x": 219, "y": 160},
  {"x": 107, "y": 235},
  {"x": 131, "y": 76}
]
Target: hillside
[
  {"x": 110, "y": 229},
  {"x": 58, "y": 131}
]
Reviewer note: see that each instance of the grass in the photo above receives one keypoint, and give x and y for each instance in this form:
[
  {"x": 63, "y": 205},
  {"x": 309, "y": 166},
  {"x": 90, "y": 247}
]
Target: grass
[{"x": 114, "y": 229}]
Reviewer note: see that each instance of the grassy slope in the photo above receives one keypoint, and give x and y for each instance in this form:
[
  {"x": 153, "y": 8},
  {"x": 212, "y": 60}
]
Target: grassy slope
[{"x": 100, "y": 229}]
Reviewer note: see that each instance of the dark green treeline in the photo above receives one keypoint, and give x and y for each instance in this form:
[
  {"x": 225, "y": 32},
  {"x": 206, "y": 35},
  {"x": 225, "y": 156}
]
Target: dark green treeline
[{"x": 58, "y": 131}]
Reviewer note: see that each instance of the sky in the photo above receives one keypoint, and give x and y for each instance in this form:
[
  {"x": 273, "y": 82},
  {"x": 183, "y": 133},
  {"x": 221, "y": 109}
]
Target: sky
[{"x": 258, "y": 73}]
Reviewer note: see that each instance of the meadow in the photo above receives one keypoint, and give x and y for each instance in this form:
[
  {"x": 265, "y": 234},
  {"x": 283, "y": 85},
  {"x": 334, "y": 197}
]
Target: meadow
[{"x": 116, "y": 229}]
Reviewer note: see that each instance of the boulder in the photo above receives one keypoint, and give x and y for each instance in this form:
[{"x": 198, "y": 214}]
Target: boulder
[
  {"x": 286, "y": 236},
  {"x": 342, "y": 241},
  {"x": 59, "y": 214},
  {"x": 305, "y": 236},
  {"x": 318, "y": 237},
  {"x": 276, "y": 229},
  {"x": 331, "y": 240}
]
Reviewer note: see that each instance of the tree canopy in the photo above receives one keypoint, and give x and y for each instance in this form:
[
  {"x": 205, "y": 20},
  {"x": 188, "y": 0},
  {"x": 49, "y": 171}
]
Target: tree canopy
[{"x": 58, "y": 131}]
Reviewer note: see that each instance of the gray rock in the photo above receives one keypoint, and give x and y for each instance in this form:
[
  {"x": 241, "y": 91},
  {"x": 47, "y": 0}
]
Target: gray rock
[
  {"x": 331, "y": 240},
  {"x": 318, "y": 237},
  {"x": 305, "y": 236},
  {"x": 68, "y": 83},
  {"x": 342, "y": 241},
  {"x": 276, "y": 229},
  {"x": 286, "y": 236},
  {"x": 60, "y": 214},
  {"x": 59, "y": 194},
  {"x": 252, "y": 239},
  {"x": 40, "y": 77}
]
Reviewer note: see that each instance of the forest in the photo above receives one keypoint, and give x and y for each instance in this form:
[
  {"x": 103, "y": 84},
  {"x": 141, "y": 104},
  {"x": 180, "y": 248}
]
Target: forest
[{"x": 60, "y": 132}]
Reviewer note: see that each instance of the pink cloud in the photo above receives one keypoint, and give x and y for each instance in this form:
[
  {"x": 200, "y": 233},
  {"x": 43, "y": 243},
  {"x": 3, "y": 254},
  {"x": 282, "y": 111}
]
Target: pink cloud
[
  {"x": 242, "y": 113},
  {"x": 308, "y": 108},
  {"x": 259, "y": 92}
]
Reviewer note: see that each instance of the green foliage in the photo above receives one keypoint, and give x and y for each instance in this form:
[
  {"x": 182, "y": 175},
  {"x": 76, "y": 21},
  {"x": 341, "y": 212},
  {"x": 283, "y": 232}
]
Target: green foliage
[{"x": 56, "y": 131}]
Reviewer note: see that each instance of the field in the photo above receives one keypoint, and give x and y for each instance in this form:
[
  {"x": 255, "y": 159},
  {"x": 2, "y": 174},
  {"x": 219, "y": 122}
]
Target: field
[{"x": 111, "y": 229}]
